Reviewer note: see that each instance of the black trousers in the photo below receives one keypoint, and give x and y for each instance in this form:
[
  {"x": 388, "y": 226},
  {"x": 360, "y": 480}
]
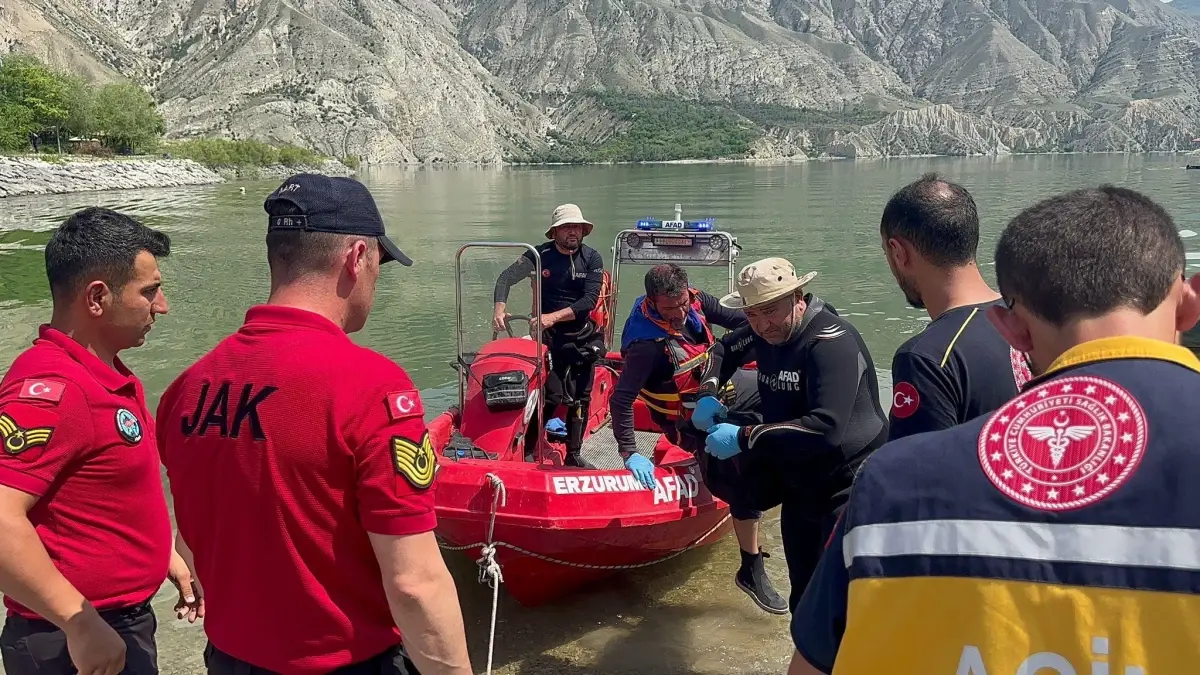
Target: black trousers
[
  {"x": 38, "y": 647},
  {"x": 572, "y": 368},
  {"x": 394, "y": 661},
  {"x": 804, "y": 533}
]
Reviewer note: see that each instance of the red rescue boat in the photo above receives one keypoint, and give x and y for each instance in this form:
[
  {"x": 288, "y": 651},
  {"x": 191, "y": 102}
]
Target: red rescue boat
[{"x": 501, "y": 480}]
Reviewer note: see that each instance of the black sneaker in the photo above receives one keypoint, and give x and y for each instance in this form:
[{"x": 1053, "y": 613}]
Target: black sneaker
[
  {"x": 753, "y": 579},
  {"x": 576, "y": 459}
]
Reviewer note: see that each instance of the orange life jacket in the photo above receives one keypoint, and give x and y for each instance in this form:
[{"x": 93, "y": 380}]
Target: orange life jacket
[
  {"x": 603, "y": 309},
  {"x": 688, "y": 360}
]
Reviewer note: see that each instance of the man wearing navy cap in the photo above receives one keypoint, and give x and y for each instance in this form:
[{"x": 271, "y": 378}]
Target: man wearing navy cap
[{"x": 301, "y": 469}]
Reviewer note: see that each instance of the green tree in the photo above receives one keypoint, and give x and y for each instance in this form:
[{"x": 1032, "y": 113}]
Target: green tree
[
  {"x": 16, "y": 123},
  {"x": 25, "y": 81},
  {"x": 127, "y": 117},
  {"x": 33, "y": 97},
  {"x": 79, "y": 97}
]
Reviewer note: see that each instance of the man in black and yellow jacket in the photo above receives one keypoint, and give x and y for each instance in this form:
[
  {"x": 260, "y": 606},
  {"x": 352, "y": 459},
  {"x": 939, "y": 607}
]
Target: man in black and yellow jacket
[{"x": 1061, "y": 533}]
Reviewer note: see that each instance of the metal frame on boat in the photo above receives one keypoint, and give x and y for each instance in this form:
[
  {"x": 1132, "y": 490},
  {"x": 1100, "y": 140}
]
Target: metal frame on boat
[
  {"x": 655, "y": 242},
  {"x": 534, "y": 318}
]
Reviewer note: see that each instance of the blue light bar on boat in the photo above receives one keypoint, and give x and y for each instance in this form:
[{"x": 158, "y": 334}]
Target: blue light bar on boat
[{"x": 705, "y": 225}]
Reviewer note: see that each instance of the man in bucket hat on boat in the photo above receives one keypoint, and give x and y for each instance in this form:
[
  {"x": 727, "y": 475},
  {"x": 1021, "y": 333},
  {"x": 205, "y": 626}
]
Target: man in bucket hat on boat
[
  {"x": 572, "y": 280},
  {"x": 820, "y": 410}
]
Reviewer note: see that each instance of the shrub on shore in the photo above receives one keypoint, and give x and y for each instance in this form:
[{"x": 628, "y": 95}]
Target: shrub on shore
[{"x": 216, "y": 153}]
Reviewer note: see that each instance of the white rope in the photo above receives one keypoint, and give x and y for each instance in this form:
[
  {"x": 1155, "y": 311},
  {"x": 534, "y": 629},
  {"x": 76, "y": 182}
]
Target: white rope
[
  {"x": 586, "y": 566},
  {"x": 489, "y": 569}
]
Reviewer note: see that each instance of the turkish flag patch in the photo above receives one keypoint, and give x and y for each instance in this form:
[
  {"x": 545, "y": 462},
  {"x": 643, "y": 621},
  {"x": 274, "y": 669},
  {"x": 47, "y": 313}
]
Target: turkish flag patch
[
  {"x": 46, "y": 390},
  {"x": 405, "y": 404},
  {"x": 905, "y": 400}
]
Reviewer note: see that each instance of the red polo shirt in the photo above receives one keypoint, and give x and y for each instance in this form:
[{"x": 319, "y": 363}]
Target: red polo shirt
[
  {"x": 77, "y": 435},
  {"x": 285, "y": 445}
]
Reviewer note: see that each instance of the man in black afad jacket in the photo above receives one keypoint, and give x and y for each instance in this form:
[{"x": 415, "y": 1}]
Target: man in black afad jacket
[
  {"x": 572, "y": 279},
  {"x": 820, "y": 410}
]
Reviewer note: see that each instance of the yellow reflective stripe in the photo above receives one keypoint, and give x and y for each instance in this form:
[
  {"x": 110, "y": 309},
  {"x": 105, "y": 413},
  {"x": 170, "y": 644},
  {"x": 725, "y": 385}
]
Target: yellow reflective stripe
[
  {"x": 665, "y": 411},
  {"x": 950, "y": 347},
  {"x": 691, "y": 363},
  {"x": 661, "y": 397},
  {"x": 1001, "y": 627}
]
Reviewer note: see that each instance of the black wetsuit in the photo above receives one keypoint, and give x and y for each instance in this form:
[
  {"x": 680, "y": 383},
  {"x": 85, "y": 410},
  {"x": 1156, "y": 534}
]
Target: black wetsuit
[
  {"x": 955, "y": 370},
  {"x": 573, "y": 281},
  {"x": 821, "y": 418}
]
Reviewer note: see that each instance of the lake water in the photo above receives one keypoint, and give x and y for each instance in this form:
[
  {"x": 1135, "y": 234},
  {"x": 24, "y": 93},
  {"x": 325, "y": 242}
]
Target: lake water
[{"x": 684, "y": 616}]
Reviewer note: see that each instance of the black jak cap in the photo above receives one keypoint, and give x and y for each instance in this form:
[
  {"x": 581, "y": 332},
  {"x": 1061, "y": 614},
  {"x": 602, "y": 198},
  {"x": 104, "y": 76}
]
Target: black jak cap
[{"x": 314, "y": 203}]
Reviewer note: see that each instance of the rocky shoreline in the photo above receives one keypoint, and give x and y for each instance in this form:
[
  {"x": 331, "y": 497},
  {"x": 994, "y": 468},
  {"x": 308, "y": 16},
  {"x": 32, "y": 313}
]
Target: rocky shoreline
[
  {"x": 20, "y": 176},
  {"x": 29, "y": 176}
]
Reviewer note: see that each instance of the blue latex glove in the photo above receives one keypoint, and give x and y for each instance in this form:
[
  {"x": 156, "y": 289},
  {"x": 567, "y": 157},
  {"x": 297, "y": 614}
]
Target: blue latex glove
[
  {"x": 722, "y": 441},
  {"x": 708, "y": 412},
  {"x": 642, "y": 469}
]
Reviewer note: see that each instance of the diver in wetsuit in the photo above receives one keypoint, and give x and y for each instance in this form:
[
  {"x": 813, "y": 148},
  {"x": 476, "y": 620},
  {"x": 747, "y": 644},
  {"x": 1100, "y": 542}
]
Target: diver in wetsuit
[
  {"x": 820, "y": 410},
  {"x": 572, "y": 279}
]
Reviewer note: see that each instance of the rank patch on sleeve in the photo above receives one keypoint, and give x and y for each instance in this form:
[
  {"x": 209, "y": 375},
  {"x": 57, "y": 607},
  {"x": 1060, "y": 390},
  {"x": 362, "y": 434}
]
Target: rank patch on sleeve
[
  {"x": 414, "y": 462},
  {"x": 32, "y": 433}
]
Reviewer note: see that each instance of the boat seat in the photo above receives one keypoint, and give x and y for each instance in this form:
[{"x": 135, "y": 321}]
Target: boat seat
[{"x": 600, "y": 448}]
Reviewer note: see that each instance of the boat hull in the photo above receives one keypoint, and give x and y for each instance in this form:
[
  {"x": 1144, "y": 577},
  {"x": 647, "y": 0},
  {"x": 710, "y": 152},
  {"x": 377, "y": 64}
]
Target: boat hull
[{"x": 559, "y": 529}]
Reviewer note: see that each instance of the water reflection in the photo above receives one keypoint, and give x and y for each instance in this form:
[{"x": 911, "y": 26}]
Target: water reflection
[{"x": 22, "y": 268}]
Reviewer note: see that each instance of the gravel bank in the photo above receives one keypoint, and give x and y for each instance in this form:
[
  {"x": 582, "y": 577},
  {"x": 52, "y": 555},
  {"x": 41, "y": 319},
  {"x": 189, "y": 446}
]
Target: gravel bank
[{"x": 29, "y": 176}]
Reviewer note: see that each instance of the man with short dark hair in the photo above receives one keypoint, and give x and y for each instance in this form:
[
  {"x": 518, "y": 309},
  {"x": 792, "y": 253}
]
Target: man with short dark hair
[
  {"x": 958, "y": 367},
  {"x": 572, "y": 283},
  {"x": 1062, "y": 529},
  {"x": 301, "y": 469},
  {"x": 665, "y": 345},
  {"x": 83, "y": 518}
]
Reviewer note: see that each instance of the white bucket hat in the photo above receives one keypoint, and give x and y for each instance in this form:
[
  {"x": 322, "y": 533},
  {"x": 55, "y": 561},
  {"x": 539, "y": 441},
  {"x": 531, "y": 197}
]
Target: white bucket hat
[
  {"x": 764, "y": 281},
  {"x": 568, "y": 214}
]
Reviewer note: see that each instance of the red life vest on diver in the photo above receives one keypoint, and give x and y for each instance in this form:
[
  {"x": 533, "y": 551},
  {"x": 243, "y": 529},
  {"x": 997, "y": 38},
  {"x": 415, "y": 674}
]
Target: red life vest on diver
[{"x": 688, "y": 361}]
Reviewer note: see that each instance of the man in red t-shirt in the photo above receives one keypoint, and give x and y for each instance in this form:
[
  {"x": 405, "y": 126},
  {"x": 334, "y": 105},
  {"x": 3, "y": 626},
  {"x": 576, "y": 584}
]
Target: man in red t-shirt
[
  {"x": 86, "y": 538},
  {"x": 301, "y": 470}
]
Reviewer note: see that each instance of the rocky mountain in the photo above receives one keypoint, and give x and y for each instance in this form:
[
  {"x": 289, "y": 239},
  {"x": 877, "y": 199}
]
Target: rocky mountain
[
  {"x": 492, "y": 80},
  {"x": 376, "y": 78}
]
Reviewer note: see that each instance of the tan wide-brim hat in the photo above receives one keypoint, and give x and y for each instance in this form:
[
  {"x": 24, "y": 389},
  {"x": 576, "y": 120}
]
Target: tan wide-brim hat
[
  {"x": 568, "y": 214},
  {"x": 765, "y": 281}
]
